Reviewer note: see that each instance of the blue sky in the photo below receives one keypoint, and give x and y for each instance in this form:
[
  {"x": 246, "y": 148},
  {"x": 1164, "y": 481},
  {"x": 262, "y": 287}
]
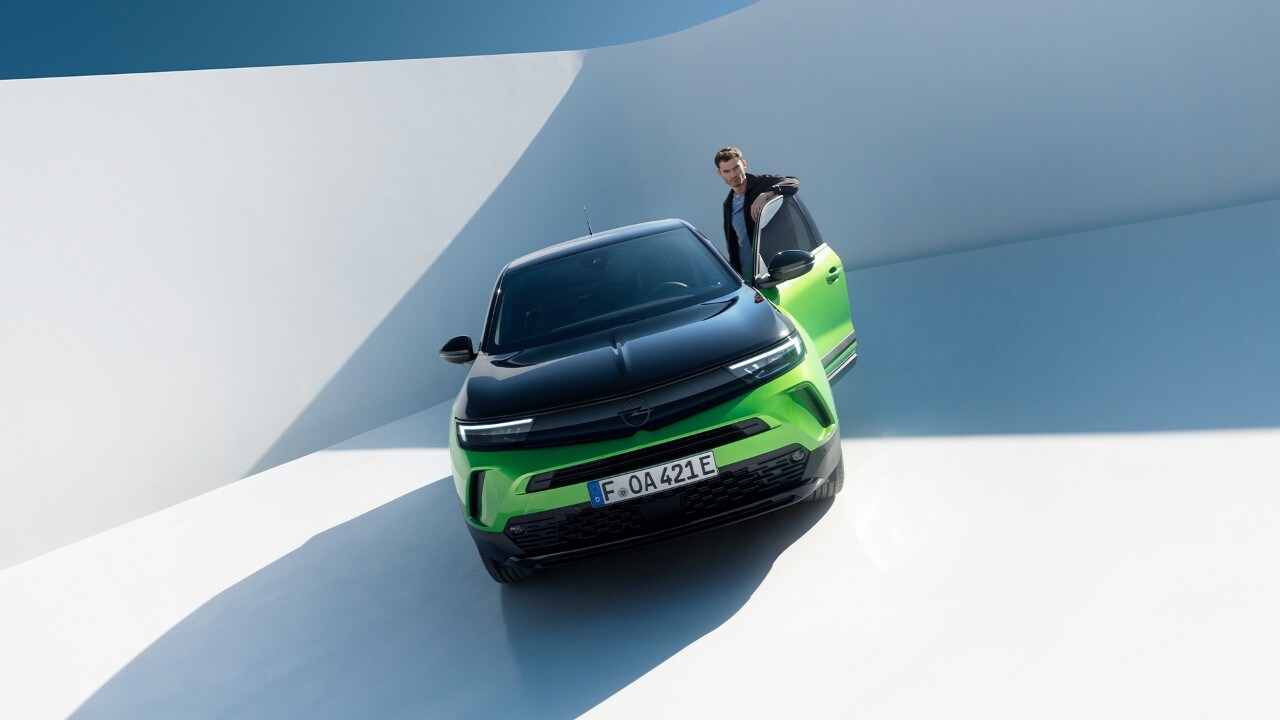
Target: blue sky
[{"x": 47, "y": 38}]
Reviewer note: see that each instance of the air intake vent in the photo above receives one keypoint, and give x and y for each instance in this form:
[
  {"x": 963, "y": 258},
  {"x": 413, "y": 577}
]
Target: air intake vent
[
  {"x": 475, "y": 491},
  {"x": 807, "y": 396}
]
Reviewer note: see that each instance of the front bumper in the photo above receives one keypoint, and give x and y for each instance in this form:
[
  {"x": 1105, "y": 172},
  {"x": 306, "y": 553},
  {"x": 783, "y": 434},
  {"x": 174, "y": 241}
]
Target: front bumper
[{"x": 743, "y": 490}]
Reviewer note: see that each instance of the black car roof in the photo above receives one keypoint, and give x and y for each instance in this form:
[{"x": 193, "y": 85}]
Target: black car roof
[{"x": 600, "y": 239}]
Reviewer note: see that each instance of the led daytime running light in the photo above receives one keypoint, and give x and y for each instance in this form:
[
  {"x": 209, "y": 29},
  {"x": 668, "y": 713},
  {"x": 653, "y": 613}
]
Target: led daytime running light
[
  {"x": 502, "y": 433},
  {"x": 757, "y": 365}
]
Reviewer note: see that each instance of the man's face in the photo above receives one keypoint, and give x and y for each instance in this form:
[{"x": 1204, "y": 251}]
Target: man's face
[{"x": 734, "y": 173}]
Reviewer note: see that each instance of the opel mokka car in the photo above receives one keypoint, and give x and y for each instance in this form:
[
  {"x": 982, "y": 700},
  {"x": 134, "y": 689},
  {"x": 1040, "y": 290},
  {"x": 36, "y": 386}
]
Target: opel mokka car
[{"x": 630, "y": 387}]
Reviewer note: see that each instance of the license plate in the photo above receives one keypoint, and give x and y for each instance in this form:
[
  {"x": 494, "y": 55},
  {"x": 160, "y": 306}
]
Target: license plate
[{"x": 652, "y": 479}]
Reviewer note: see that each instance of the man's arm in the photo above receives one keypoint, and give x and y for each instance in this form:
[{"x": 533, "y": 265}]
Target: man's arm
[
  {"x": 783, "y": 185},
  {"x": 778, "y": 185}
]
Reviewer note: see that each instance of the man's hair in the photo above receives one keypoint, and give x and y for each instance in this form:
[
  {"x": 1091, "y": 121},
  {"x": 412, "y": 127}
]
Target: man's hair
[{"x": 727, "y": 153}]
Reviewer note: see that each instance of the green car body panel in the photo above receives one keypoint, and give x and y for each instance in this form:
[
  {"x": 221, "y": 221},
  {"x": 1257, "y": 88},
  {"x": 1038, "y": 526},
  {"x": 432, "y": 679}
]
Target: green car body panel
[{"x": 817, "y": 302}]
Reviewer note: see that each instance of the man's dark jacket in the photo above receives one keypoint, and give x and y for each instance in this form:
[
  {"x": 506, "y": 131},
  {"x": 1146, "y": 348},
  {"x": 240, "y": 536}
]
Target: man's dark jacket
[{"x": 756, "y": 184}]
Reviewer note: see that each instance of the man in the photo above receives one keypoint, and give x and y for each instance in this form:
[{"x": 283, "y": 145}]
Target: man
[{"x": 742, "y": 207}]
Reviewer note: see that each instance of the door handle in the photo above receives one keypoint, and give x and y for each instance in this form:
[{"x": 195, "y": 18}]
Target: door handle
[{"x": 833, "y": 275}]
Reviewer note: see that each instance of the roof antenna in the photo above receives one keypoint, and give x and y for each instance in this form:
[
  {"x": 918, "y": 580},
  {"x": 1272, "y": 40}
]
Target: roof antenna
[{"x": 588, "y": 217}]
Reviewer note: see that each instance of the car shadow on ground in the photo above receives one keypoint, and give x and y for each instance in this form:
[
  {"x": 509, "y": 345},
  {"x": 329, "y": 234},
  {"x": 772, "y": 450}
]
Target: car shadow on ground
[{"x": 391, "y": 615}]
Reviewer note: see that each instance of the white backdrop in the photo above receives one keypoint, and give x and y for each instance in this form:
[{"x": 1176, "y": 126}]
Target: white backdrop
[{"x": 206, "y": 274}]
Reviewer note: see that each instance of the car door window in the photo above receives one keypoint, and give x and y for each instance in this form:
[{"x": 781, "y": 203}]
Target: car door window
[{"x": 782, "y": 227}]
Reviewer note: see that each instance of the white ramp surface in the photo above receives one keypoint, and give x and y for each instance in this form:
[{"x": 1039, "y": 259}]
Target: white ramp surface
[{"x": 997, "y": 577}]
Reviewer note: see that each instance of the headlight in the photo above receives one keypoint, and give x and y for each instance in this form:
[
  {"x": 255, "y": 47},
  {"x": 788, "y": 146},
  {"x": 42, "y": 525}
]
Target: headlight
[
  {"x": 492, "y": 436},
  {"x": 770, "y": 363}
]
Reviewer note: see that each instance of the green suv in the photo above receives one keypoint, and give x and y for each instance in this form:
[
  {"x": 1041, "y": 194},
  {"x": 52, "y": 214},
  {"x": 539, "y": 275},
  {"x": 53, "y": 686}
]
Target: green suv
[{"x": 630, "y": 388}]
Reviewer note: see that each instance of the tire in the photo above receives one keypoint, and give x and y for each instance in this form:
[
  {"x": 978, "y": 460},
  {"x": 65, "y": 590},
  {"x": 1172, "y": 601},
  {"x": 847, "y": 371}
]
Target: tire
[
  {"x": 504, "y": 574},
  {"x": 831, "y": 487}
]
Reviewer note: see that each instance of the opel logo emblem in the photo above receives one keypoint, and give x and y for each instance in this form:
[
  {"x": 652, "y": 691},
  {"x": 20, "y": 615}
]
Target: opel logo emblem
[{"x": 634, "y": 412}]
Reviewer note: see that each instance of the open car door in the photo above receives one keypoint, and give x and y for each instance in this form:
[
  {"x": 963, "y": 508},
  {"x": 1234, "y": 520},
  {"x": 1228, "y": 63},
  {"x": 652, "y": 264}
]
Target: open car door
[{"x": 801, "y": 274}]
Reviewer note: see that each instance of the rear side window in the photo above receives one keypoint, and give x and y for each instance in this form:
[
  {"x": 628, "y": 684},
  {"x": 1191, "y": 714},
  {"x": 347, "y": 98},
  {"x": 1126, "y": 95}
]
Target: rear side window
[{"x": 605, "y": 287}]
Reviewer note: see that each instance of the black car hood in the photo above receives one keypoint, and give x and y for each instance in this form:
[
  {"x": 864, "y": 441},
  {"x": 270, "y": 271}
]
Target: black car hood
[{"x": 621, "y": 361}]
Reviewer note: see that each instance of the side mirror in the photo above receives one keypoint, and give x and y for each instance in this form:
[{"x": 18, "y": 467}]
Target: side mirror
[
  {"x": 788, "y": 265},
  {"x": 458, "y": 351}
]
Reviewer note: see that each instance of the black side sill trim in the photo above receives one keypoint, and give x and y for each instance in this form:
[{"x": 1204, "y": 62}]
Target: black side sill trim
[
  {"x": 839, "y": 349},
  {"x": 836, "y": 373},
  {"x": 618, "y": 464}
]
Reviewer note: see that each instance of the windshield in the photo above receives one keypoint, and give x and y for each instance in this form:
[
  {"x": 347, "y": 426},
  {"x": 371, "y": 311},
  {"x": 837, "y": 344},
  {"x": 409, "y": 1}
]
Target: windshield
[{"x": 605, "y": 287}]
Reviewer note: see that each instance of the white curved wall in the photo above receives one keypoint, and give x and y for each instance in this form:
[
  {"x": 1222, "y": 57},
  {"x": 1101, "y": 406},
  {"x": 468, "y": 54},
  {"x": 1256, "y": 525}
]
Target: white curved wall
[
  {"x": 205, "y": 274},
  {"x": 932, "y": 126},
  {"x": 188, "y": 258}
]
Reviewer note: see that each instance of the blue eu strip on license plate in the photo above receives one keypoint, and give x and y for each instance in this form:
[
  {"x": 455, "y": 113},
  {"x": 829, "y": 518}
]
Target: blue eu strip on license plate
[{"x": 650, "y": 480}]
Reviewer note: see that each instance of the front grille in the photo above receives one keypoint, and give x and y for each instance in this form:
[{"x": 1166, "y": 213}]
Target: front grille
[
  {"x": 583, "y": 526},
  {"x": 667, "y": 404},
  {"x": 636, "y": 459}
]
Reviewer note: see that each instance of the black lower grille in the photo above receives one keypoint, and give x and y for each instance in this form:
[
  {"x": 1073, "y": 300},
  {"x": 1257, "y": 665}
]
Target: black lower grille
[{"x": 582, "y": 525}]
